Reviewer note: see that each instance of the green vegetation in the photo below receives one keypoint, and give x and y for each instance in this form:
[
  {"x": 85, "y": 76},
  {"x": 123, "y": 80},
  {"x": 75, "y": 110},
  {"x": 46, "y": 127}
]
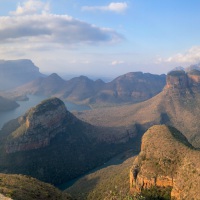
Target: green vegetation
[
  {"x": 21, "y": 187},
  {"x": 157, "y": 193},
  {"x": 108, "y": 183}
]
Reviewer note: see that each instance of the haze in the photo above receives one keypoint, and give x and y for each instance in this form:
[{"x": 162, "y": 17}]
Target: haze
[{"x": 101, "y": 38}]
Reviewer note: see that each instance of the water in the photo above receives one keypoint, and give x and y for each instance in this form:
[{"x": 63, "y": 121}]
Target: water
[{"x": 33, "y": 101}]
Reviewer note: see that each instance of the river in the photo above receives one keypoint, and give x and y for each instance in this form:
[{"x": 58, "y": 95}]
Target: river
[{"x": 6, "y": 116}]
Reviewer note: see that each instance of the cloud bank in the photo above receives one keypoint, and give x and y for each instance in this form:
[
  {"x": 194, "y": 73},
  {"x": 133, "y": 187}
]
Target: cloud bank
[
  {"x": 114, "y": 7},
  {"x": 33, "y": 23},
  {"x": 53, "y": 28},
  {"x": 192, "y": 55}
]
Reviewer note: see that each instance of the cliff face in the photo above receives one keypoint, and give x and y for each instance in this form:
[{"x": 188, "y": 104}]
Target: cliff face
[
  {"x": 38, "y": 126},
  {"x": 167, "y": 160},
  {"x": 177, "y": 79},
  {"x": 17, "y": 72},
  {"x": 183, "y": 80}
]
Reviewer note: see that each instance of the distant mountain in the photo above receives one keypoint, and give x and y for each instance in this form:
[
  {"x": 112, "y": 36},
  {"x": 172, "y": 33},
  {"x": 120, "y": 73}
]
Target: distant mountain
[
  {"x": 132, "y": 87},
  {"x": 43, "y": 86},
  {"x": 177, "y": 105},
  {"x": 17, "y": 72},
  {"x": 19, "y": 187},
  {"x": 129, "y": 88},
  {"x": 7, "y": 104},
  {"x": 166, "y": 161},
  {"x": 51, "y": 144}
]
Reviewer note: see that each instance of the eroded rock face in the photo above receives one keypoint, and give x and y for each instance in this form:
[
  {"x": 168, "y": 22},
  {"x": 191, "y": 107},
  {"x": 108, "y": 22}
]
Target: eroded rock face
[
  {"x": 167, "y": 160},
  {"x": 38, "y": 126},
  {"x": 183, "y": 80}
]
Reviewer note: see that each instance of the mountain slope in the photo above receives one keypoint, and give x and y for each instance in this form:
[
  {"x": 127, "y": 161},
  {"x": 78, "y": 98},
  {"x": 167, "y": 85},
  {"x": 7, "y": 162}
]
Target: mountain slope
[
  {"x": 132, "y": 87},
  {"x": 177, "y": 105},
  {"x": 17, "y": 72},
  {"x": 167, "y": 160},
  {"x": 19, "y": 187},
  {"x": 51, "y": 144},
  {"x": 111, "y": 182},
  {"x": 7, "y": 104}
]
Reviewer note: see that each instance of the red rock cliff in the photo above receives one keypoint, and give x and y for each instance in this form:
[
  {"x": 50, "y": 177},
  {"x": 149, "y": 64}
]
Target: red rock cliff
[{"x": 167, "y": 160}]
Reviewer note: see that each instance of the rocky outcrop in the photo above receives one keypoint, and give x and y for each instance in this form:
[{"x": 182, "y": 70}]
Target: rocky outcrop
[
  {"x": 167, "y": 160},
  {"x": 177, "y": 79},
  {"x": 14, "y": 73},
  {"x": 38, "y": 126},
  {"x": 182, "y": 80}
]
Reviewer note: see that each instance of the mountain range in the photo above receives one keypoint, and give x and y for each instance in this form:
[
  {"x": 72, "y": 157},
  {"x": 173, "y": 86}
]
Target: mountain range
[
  {"x": 52, "y": 144},
  {"x": 177, "y": 105},
  {"x": 129, "y": 88}
]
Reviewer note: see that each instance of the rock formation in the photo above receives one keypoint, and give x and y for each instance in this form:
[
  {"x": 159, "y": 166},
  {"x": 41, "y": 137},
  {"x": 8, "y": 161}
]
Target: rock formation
[
  {"x": 51, "y": 144},
  {"x": 38, "y": 126},
  {"x": 183, "y": 80},
  {"x": 167, "y": 160},
  {"x": 17, "y": 72}
]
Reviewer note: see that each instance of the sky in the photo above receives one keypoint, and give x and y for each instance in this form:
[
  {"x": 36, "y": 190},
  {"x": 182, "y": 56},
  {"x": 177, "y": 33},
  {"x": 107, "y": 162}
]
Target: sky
[{"x": 101, "y": 38}]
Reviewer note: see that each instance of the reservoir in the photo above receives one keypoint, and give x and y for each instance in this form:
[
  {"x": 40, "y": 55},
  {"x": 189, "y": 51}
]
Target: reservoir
[{"x": 6, "y": 116}]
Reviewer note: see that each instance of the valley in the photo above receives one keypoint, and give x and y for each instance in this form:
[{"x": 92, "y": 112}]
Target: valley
[
  {"x": 101, "y": 149},
  {"x": 99, "y": 100},
  {"x": 32, "y": 100}
]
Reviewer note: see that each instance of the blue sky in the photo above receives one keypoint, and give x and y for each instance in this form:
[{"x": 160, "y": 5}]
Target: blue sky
[{"x": 101, "y": 38}]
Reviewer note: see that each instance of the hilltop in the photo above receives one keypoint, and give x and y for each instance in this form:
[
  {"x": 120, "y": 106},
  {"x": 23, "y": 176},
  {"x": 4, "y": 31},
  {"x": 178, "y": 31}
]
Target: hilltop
[{"x": 167, "y": 161}]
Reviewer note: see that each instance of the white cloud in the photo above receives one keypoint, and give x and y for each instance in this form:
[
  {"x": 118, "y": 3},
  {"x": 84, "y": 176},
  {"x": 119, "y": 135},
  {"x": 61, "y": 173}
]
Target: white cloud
[
  {"x": 31, "y": 7},
  {"x": 117, "y": 7},
  {"x": 117, "y": 62},
  {"x": 190, "y": 56},
  {"x": 51, "y": 28}
]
